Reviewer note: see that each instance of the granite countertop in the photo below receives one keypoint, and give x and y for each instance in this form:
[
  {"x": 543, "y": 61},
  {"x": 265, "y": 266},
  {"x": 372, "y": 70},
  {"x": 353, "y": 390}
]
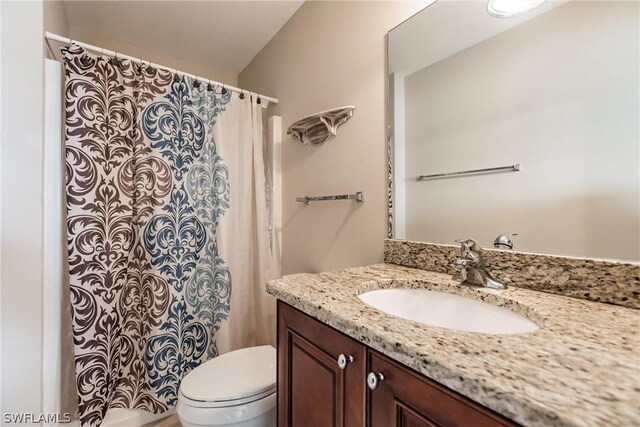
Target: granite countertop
[{"x": 581, "y": 368}]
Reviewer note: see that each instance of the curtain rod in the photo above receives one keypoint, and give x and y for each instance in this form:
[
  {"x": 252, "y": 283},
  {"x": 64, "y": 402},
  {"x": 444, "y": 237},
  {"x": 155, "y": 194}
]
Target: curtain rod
[{"x": 58, "y": 38}]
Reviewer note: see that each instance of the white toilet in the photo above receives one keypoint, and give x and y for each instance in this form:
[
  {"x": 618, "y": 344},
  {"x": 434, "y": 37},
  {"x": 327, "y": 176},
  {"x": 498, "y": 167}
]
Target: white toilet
[{"x": 236, "y": 389}]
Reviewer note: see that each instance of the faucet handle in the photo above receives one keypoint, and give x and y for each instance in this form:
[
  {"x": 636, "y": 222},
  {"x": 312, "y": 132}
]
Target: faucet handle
[
  {"x": 504, "y": 241},
  {"x": 470, "y": 249}
]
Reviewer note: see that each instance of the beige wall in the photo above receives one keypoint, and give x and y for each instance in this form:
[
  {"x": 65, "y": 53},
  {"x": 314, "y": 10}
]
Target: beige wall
[
  {"x": 557, "y": 94},
  {"x": 129, "y": 48},
  {"x": 55, "y": 18},
  {"x": 21, "y": 80},
  {"x": 331, "y": 54}
]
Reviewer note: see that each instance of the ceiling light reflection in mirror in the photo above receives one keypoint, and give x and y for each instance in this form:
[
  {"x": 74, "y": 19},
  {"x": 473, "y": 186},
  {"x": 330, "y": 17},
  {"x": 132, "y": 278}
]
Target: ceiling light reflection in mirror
[{"x": 509, "y": 8}]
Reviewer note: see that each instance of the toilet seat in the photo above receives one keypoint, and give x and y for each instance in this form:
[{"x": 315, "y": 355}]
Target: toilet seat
[
  {"x": 235, "y": 378},
  {"x": 226, "y": 403}
]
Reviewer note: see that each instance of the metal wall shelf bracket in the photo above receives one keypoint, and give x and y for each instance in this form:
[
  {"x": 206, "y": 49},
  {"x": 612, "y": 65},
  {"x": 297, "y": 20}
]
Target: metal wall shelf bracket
[{"x": 319, "y": 128}]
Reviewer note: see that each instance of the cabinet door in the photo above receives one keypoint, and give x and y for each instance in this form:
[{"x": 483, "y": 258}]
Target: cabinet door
[
  {"x": 403, "y": 397},
  {"x": 314, "y": 388}
]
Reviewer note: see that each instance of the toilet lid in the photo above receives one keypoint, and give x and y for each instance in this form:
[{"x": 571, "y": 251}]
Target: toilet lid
[{"x": 232, "y": 376}]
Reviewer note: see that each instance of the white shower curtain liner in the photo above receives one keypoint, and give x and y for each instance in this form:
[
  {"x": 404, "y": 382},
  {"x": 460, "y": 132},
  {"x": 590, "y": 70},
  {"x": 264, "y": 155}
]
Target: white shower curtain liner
[{"x": 252, "y": 316}]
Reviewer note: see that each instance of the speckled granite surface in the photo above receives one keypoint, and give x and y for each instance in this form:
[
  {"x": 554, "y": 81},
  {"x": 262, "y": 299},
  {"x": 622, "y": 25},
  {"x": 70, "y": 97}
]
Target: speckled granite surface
[
  {"x": 602, "y": 281},
  {"x": 582, "y": 368}
]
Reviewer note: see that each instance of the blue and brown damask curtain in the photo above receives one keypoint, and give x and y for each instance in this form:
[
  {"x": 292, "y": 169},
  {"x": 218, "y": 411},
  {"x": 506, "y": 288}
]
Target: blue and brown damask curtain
[{"x": 166, "y": 225}]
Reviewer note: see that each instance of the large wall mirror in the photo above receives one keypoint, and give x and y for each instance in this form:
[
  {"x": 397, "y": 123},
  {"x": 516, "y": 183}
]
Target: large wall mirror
[{"x": 544, "y": 106}]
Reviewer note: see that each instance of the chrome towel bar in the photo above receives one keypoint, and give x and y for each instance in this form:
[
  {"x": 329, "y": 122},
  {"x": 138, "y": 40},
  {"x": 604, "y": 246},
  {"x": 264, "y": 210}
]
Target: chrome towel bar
[
  {"x": 512, "y": 168},
  {"x": 358, "y": 197}
]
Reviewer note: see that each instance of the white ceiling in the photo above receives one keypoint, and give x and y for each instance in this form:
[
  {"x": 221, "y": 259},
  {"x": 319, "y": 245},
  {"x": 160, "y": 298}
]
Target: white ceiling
[
  {"x": 222, "y": 35},
  {"x": 445, "y": 28}
]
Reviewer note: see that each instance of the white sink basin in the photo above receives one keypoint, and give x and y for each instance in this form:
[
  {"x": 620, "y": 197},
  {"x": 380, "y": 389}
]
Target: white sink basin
[{"x": 448, "y": 311}]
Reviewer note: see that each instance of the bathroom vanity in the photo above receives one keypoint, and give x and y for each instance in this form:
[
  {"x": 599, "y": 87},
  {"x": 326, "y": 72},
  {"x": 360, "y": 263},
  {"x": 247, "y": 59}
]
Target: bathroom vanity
[
  {"x": 342, "y": 362},
  {"x": 328, "y": 379},
  {"x": 498, "y": 126}
]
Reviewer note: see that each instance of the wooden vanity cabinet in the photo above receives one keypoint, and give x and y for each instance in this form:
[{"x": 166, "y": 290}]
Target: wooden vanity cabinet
[
  {"x": 321, "y": 374},
  {"x": 319, "y": 388}
]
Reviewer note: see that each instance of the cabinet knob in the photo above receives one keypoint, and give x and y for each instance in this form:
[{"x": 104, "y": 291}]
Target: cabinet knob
[
  {"x": 373, "y": 379},
  {"x": 343, "y": 361}
]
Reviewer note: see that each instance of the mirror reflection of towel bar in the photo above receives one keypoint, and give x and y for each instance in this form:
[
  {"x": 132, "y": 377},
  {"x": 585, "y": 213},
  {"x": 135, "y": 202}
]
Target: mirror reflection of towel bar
[
  {"x": 358, "y": 197},
  {"x": 512, "y": 168}
]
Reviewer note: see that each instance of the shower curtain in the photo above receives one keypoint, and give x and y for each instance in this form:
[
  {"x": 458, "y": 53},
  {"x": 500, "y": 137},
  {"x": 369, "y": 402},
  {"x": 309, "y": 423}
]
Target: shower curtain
[{"x": 167, "y": 233}]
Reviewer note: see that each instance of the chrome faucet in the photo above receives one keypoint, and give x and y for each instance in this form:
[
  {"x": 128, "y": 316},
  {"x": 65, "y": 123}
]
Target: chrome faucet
[{"x": 472, "y": 269}]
